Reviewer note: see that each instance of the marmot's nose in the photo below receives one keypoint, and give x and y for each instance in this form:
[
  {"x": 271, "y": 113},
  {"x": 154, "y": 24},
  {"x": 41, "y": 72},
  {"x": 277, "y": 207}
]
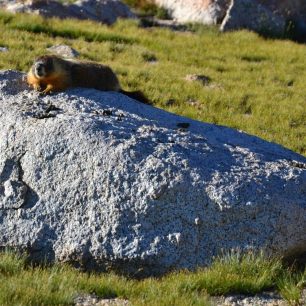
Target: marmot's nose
[{"x": 39, "y": 67}]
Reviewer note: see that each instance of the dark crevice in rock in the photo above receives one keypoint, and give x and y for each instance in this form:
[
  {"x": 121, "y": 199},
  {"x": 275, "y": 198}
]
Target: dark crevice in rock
[
  {"x": 30, "y": 196},
  {"x": 44, "y": 116},
  {"x": 296, "y": 164},
  {"x": 52, "y": 107},
  {"x": 183, "y": 125},
  {"x": 50, "y": 112},
  {"x": 104, "y": 112},
  {"x": 15, "y": 193},
  {"x": 7, "y": 170}
]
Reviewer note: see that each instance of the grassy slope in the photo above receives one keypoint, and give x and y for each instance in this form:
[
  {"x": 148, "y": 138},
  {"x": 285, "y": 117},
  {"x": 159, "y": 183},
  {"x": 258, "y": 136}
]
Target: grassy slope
[
  {"x": 59, "y": 285},
  {"x": 257, "y": 85}
]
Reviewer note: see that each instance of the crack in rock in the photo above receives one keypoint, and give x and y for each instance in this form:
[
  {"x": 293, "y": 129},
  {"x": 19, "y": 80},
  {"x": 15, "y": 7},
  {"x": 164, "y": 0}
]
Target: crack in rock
[{"x": 15, "y": 193}]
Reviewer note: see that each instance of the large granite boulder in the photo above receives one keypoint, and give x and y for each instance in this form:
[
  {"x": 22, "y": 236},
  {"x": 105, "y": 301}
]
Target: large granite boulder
[
  {"x": 202, "y": 11},
  {"x": 283, "y": 18},
  {"x": 287, "y": 8},
  {"x": 251, "y": 15},
  {"x": 105, "y": 182},
  {"x": 294, "y": 11}
]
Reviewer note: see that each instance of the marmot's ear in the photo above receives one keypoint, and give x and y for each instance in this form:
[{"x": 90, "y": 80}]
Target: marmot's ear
[{"x": 37, "y": 59}]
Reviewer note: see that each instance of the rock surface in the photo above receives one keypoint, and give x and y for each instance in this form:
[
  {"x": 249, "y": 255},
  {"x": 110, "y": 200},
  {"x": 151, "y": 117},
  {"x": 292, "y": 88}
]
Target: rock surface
[
  {"x": 202, "y": 11},
  {"x": 102, "y": 181},
  {"x": 263, "y": 299},
  {"x": 287, "y": 8},
  {"x": 249, "y": 14},
  {"x": 92, "y": 300},
  {"x": 64, "y": 50},
  {"x": 294, "y": 11},
  {"x": 106, "y": 11},
  {"x": 4, "y": 49},
  {"x": 270, "y": 17},
  {"x": 203, "y": 79}
]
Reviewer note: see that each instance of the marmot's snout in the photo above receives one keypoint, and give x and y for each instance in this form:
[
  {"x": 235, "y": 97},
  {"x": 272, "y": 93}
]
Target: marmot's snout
[
  {"x": 40, "y": 70},
  {"x": 42, "y": 67}
]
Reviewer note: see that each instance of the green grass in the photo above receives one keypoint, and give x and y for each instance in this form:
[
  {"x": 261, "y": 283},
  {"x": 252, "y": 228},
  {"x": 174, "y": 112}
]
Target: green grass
[
  {"x": 21, "y": 284},
  {"x": 290, "y": 285},
  {"x": 257, "y": 85},
  {"x": 236, "y": 273}
]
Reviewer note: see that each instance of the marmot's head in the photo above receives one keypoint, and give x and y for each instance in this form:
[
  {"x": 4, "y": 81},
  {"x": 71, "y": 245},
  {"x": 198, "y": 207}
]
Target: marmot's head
[{"x": 43, "y": 66}]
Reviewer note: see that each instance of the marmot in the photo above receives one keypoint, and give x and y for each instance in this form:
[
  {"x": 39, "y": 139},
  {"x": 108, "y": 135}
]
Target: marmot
[{"x": 53, "y": 73}]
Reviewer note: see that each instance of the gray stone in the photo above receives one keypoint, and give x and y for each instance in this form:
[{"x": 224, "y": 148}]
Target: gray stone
[
  {"x": 287, "y": 8},
  {"x": 64, "y": 50},
  {"x": 203, "y": 79},
  {"x": 46, "y": 8},
  {"x": 4, "y": 49},
  {"x": 93, "y": 300},
  {"x": 202, "y": 11},
  {"x": 128, "y": 190},
  {"x": 106, "y": 11},
  {"x": 262, "y": 299},
  {"x": 251, "y": 15}
]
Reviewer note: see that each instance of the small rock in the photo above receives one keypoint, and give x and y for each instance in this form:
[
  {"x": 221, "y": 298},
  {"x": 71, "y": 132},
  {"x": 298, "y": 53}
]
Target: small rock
[
  {"x": 64, "y": 50},
  {"x": 93, "y": 300},
  {"x": 205, "y": 80},
  {"x": 262, "y": 299},
  {"x": 194, "y": 103},
  {"x": 106, "y": 11},
  {"x": 4, "y": 49},
  {"x": 170, "y": 102}
]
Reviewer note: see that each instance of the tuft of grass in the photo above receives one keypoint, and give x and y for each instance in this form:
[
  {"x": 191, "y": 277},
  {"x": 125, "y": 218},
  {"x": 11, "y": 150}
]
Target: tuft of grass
[
  {"x": 239, "y": 273},
  {"x": 11, "y": 263},
  {"x": 290, "y": 286},
  {"x": 149, "y": 57},
  {"x": 236, "y": 273},
  {"x": 21, "y": 284},
  {"x": 61, "y": 284}
]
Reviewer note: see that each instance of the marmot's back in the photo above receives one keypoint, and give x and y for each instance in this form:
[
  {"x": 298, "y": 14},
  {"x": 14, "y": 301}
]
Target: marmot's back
[
  {"x": 53, "y": 73},
  {"x": 93, "y": 75}
]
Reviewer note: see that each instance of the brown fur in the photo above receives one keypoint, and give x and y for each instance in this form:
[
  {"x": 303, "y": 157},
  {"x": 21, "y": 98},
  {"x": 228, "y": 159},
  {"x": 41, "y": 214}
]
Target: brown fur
[{"x": 60, "y": 74}]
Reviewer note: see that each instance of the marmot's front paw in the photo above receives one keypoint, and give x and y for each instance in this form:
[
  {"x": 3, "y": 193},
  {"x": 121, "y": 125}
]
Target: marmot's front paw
[
  {"x": 37, "y": 87},
  {"x": 48, "y": 89}
]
